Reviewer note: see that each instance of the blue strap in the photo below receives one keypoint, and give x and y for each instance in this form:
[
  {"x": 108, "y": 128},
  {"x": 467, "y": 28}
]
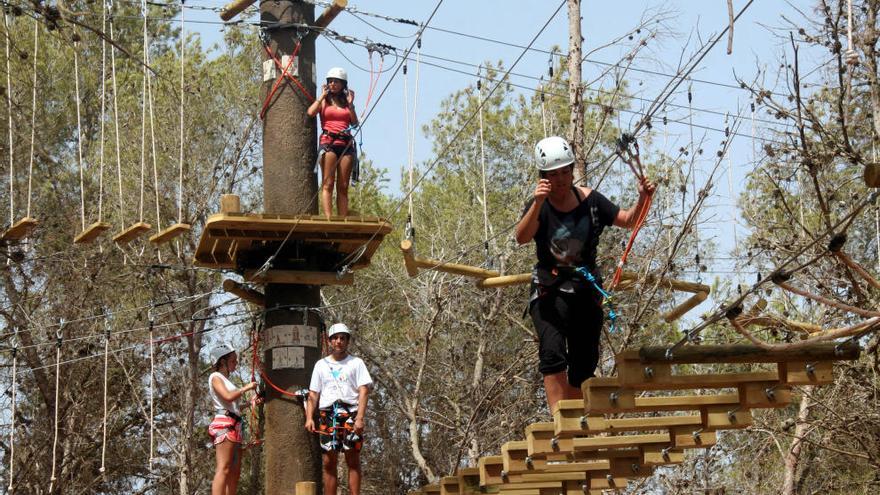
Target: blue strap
[{"x": 606, "y": 296}]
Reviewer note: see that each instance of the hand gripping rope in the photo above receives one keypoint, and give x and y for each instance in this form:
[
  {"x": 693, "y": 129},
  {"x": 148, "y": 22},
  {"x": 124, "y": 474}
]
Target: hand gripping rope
[
  {"x": 635, "y": 164},
  {"x": 606, "y": 296},
  {"x": 285, "y": 73}
]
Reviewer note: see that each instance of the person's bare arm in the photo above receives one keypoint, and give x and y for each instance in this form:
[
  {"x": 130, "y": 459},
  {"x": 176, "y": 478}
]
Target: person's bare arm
[
  {"x": 528, "y": 224},
  {"x": 627, "y": 218},
  {"x": 227, "y": 395},
  {"x": 363, "y": 396},
  {"x": 311, "y": 405}
]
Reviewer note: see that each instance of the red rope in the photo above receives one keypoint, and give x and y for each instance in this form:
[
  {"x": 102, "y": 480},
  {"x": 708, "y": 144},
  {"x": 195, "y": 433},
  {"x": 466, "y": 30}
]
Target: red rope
[
  {"x": 374, "y": 82},
  {"x": 284, "y": 75},
  {"x": 643, "y": 215}
]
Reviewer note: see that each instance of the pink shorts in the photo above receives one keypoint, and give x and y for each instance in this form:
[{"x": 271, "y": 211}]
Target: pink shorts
[{"x": 225, "y": 428}]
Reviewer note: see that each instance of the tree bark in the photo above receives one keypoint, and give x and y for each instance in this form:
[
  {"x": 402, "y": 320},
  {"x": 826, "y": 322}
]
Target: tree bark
[
  {"x": 792, "y": 460},
  {"x": 575, "y": 89}
]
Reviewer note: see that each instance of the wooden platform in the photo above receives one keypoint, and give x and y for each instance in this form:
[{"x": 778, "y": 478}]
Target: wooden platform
[
  {"x": 131, "y": 233},
  {"x": 585, "y": 451},
  {"x": 20, "y": 230},
  {"x": 91, "y": 233},
  {"x": 170, "y": 233},
  {"x": 240, "y": 241}
]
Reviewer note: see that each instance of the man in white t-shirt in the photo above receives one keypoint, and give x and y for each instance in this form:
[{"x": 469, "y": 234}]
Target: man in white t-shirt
[{"x": 340, "y": 387}]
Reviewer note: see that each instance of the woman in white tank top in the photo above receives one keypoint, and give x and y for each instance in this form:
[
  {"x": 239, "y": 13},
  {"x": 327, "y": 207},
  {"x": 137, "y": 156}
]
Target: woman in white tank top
[{"x": 225, "y": 428}]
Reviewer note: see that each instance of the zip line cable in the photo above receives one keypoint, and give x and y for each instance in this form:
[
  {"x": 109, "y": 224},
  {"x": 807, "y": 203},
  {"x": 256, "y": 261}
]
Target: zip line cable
[{"x": 128, "y": 310}]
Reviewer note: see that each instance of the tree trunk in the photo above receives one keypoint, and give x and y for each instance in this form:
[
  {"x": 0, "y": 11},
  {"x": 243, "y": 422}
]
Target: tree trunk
[
  {"x": 792, "y": 460},
  {"x": 575, "y": 89}
]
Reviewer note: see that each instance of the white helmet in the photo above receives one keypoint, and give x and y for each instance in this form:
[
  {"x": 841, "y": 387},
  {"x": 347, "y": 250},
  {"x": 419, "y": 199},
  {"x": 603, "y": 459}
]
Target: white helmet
[
  {"x": 337, "y": 73},
  {"x": 219, "y": 351},
  {"x": 552, "y": 153},
  {"x": 337, "y": 328}
]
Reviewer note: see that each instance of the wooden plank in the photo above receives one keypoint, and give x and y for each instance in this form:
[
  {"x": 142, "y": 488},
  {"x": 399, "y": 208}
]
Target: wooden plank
[
  {"x": 630, "y": 467},
  {"x": 657, "y": 455},
  {"x": 298, "y": 277},
  {"x": 716, "y": 380},
  {"x": 726, "y": 418},
  {"x": 433, "y": 489},
  {"x": 764, "y": 395},
  {"x": 542, "y": 440},
  {"x": 490, "y": 470},
  {"x": 689, "y": 437},
  {"x": 449, "y": 486},
  {"x": 170, "y": 233},
  {"x": 20, "y": 230},
  {"x": 567, "y": 416},
  {"x": 468, "y": 480},
  {"x": 618, "y": 441},
  {"x": 599, "y": 398},
  {"x": 807, "y": 372},
  {"x": 747, "y": 353},
  {"x": 631, "y": 370},
  {"x": 606, "y": 481},
  {"x": 515, "y": 457},
  {"x": 91, "y": 233},
  {"x": 134, "y": 231}
]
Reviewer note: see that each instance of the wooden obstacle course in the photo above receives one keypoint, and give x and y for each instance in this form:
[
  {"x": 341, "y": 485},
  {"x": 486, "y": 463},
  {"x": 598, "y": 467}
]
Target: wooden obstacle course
[
  {"x": 21, "y": 229},
  {"x": 91, "y": 232},
  {"x": 584, "y": 451}
]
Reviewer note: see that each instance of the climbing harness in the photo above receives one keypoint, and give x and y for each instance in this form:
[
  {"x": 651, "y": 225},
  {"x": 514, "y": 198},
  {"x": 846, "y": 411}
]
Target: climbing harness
[{"x": 606, "y": 296}]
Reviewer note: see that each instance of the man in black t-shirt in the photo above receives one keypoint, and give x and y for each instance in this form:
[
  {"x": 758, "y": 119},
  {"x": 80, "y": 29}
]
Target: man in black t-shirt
[{"x": 565, "y": 222}]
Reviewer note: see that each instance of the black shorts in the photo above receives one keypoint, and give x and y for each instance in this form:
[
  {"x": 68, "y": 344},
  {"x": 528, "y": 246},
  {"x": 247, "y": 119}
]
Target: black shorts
[
  {"x": 568, "y": 326},
  {"x": 340, "y": 149}
]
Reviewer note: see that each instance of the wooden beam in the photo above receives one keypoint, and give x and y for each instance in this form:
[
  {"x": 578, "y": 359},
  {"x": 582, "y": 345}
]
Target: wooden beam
[
  {"x": 131, "y": 233},
  {"x": 20, "y": 229},
  {"x": 504, "y": 281},
  {"x": 170, "y": 233},
  {"x": 230, "y": 203},
  {"x": 744, "y": 353},
  {"x": 305, "y": 488},
  {"x": 872, "y": 174},
  {"x": 233, "y": 9},
  {"x": 246, "y": 293},
  {"x": 454, "y": 268},
  {"x": 91, "y": 233},
  {"x": 298, "y": 277},
  {"x": 409, "y": 260},
  {"x": 689, "y": 304},
  {"x": 330, "y": 13}
]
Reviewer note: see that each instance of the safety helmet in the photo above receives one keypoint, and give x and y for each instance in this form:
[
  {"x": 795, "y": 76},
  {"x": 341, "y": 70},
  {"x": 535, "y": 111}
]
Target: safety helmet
[
  {"x": 338, "y": 328},
  {"x": 552, "y": 153},
  {"x": 219, "y": 351},
  {"x": 337, "y": 73}
]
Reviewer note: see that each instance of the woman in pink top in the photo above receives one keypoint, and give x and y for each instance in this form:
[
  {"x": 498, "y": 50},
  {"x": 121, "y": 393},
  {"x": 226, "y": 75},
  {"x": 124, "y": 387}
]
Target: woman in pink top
[{"x": 337, "y": 154}]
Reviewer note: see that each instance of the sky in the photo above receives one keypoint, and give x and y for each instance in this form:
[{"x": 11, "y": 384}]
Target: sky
[{"x": 712, "y": 86}]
